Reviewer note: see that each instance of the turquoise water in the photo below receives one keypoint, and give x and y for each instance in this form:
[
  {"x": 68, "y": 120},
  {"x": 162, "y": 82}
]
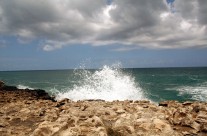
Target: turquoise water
[{"x": 155, "y": 84}]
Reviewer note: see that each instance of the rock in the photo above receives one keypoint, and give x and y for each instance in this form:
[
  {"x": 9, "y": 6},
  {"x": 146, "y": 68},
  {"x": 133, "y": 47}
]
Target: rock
[
  {"x": 169, "y": 104},
  {"x": 187, "y": 103},
  {"x": 202, "y": 117},
  {"x": 41, "y": 94},
  {"x": 120, "y": 111},
  {"x": 1, "y": 84},
  {"x": 9, "y": 88},
  {"x": 164, "y": 104},
  {"x": 124, "y": 130},
  {"x": 97, "y": 121},
  {"x": 186, "y": 133},
  {"x": 33, "y": 112},
  {"x": 145, "y": 126},
  {"x": 196, "y": 126},
  {"x": 141, "y": 120},
  {"x": 62, "y": 102},
  {"x": 204, "y": 127},
  {"x": 196, "y": 109},
  {"x": 47, "y": 128},
  {"x": 161, "y": 125},
  {"x": 187, "y": 120}
]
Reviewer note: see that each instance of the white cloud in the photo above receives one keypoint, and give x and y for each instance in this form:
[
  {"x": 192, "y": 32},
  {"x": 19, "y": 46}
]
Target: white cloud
[
  {"x": 52, "y": 45},
  {"x": 133, "y": 23}
]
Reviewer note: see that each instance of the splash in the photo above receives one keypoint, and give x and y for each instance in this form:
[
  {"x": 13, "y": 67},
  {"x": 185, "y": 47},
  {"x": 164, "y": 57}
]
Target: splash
[{"x": 106, "y": 84}]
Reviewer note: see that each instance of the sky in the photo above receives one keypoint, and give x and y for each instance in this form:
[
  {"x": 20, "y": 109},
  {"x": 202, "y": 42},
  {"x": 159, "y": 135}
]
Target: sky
[{"x": 65, "y": 34}]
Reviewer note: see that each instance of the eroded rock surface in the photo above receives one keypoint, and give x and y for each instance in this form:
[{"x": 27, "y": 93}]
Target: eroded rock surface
[{"x": 25, "y": 112}]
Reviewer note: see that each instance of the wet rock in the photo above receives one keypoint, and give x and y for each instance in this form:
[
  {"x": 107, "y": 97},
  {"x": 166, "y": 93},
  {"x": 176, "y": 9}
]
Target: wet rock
[
  {"x": 164, "y": 104},
  {"x": 1, "y": 84},
  {"x": 9, "y": 88},
  {"x": 63, "y": 102}
]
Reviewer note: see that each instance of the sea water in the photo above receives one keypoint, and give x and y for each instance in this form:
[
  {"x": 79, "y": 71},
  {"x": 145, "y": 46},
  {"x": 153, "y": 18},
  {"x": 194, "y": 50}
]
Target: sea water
[{"x": 114, "y": 83}]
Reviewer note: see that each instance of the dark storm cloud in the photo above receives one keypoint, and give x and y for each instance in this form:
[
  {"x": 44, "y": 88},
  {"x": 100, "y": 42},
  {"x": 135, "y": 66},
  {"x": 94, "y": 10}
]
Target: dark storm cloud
[
  {"x": 133, "y": 17},
  {"x": 141, "y": 23}
]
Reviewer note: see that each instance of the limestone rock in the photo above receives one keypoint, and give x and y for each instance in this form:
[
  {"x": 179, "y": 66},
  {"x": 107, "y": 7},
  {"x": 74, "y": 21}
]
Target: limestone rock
[
  {"x": 196, "y": 126},
  {"x": 204, "y": 128},
  {"x": 161, "y": 125},
  {"x": 33, "y": 112}
]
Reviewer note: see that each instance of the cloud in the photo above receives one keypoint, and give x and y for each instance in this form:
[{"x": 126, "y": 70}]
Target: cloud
[
  {"x": 52, "y": 45},
  {"x": 132, "y": 23}
]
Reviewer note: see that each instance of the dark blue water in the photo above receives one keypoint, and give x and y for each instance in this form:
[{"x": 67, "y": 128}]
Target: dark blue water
[
  {"x": 155, "y": 84},
  {"x": 173, "y": 83}
]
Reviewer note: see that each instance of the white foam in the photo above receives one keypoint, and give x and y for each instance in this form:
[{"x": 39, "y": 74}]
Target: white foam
[
  {"x": 198, "y": 92},
  {"x": 106, "y": 84},
  {"x": 24, "y": 87}
]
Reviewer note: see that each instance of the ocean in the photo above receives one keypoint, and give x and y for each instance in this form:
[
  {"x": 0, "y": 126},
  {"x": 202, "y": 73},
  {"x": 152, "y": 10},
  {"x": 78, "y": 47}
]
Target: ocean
[{"x": 111, "y": 83}]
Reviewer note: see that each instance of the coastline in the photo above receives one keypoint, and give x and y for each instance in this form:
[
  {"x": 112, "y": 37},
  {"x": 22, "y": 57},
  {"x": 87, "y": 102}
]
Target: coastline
[{"x": 34, "y": 112}]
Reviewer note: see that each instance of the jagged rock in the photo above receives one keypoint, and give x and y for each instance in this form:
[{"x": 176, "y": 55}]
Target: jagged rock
[
  {"x": 161, "y": 125},
  {"x": 145, "y": 126},
  {"x": 62, "y": 102},
  {"x": 11, "y": 93},
  {"x": 9, "y": 88},
  {"x": 187, "y": 103},
  {"x": 1, "y": 84},
  {"x": 202, "y": 117},
  {"x": 33, "y": 112},
  {"x": 196, "y": 126},
  {"x": 164, "y": 104},
  {"x": 204, "y": 127},
  {"x": 120, "y": 111}
]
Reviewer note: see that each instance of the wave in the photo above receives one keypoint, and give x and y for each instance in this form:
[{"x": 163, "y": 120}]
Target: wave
[
  {"x": 24, "y": 87},
  {"x": 107, "y": 83},
  {"x": 198, "y": 92}
]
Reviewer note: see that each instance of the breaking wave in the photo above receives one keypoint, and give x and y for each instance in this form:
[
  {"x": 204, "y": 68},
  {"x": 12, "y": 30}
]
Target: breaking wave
[
  {"x": 24, "y": 87},
  {"x": 197, "y": 92},
  {"x": 107, "y": 83}
]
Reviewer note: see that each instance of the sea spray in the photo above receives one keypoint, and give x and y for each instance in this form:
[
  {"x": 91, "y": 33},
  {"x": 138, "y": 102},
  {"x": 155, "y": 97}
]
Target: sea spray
[{"x": 108, "y": 83}]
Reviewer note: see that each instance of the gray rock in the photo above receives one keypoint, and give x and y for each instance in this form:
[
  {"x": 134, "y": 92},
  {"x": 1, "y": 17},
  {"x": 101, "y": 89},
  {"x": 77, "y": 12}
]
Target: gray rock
[{"x": 1, "y": 84}]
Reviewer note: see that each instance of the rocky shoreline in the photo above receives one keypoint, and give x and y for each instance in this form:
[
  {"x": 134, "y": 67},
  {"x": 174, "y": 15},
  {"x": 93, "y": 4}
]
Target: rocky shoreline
[{"x": 26, "y": 112}]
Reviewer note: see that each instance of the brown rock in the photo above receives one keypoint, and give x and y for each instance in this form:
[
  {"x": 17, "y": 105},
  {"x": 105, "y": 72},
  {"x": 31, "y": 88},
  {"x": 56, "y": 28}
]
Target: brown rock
[
  {"x": 204, "y": 127},
  {"x": 161, "y": 125},
  {"x": 32, "y": 112},
  {"x": 120, "y": 111},
  {"x": 164, "y": 104},
  {"x": 187, "y": 103},
  {"x": 202, "y": 116},
  {"x": 196, "y": 126},
  {"x": 146, "y": 126}
]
